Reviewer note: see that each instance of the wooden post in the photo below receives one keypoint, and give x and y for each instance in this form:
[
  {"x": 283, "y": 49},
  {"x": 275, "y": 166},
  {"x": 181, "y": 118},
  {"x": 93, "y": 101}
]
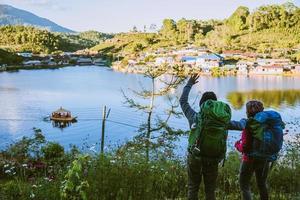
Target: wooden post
[{"x": 103, "y": 129}]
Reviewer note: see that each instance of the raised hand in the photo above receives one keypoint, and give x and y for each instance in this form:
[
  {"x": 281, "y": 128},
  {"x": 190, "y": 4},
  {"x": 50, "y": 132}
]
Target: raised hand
[{"x": 194, "y": 79}]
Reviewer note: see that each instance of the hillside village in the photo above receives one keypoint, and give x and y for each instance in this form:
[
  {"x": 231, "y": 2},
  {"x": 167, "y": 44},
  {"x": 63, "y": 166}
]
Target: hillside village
[
  {"x": 201, "y": 59},
  {"x": 190, "y": 59}
]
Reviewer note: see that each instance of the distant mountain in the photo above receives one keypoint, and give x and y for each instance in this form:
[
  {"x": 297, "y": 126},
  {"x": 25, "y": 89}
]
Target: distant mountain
[{"x": 10, "y": 15}]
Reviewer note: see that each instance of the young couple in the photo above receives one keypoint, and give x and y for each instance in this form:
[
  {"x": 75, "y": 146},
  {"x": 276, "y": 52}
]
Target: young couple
[{"x": 207, "y": 142}]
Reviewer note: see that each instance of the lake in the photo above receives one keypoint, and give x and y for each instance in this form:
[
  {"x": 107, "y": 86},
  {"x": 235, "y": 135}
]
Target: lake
[{"x": 28, "y": 96}]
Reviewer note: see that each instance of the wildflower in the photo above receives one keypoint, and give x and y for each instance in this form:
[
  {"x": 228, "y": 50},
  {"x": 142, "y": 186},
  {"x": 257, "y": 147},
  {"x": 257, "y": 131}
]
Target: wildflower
[
  {"x": 7, "y": 165},
  {"x": 24, "y": 165},
  {"x": 32, "y": 195},
  {"x": 34, "y": 186},
  {"x": 112, "y": 161},
  {"x": 93, "y": 149},
  {"x": 7, "y": 171}
]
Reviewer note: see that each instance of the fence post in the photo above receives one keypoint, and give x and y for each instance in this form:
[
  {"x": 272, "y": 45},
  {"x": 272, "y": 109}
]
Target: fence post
[{"x": 103, "y": 129}]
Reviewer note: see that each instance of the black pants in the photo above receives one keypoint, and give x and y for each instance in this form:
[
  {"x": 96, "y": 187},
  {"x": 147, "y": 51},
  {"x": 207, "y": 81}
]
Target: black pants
[
  {"x": 198, "y": 168},
  {"x": 261, "y": 169}
]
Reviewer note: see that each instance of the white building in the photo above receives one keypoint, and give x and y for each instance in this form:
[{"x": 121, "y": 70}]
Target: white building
[
  {"x": 208, "y": 61},
  {"x": 191, "y": 60},
  {"x": 264, "y": 70},
  {"x": 270, "y": 62},
  {"x": 25, "y": 54},
  {"x": 164, "y": 60},
  {"x": 32, "y": 63},
  {"x": 84, "y": 61}
]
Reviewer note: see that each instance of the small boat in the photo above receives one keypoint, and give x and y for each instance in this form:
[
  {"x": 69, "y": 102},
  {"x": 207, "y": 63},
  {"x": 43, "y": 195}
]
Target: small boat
[{"x": 62, "y": 115}]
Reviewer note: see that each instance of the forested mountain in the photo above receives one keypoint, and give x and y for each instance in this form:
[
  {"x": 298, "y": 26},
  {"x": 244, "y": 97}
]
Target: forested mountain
[
  {"x": 13, "y": 16},
  {"x": 26, "y": 38},
  {"x": 268, "y": 29}
]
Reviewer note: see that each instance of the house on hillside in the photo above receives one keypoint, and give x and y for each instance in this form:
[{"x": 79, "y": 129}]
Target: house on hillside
[
  {"x": 32, "y": 63},
  {"x": 164, "y": 60},
  {"x": 269, "y": 69},
  {"x": 191, "y": 51},
  {"x": 295, "y": 69},
  {"x": 270, "y": 62},
  {"x": 232, "y": 53},
  {"x": 191, "y": 60},
  {"x": 244, "y": 67},
  {"x": 208, "y": 61},
  {"x": 25, "y": 54},
  {"x": 84, "y": 61}
]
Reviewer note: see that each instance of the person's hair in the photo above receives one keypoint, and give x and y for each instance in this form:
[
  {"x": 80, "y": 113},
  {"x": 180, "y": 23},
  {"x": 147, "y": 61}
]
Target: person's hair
[
  {"x": 253, "y": 107},
  {"x": 207, "y": 96}
]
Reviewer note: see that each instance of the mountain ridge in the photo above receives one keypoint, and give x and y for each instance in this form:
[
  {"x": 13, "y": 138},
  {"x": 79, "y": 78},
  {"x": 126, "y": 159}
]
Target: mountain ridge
[{"x": 10, "y": 15}]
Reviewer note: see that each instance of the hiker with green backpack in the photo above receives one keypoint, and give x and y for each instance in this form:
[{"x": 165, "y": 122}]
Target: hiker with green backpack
[{"x": 207, "y": 139}]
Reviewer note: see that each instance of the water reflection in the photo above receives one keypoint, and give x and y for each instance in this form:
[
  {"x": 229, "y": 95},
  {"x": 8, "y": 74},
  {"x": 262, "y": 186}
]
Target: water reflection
[
  {"x": 61, "y": 125},
  {"x": 270, "y": 98}
]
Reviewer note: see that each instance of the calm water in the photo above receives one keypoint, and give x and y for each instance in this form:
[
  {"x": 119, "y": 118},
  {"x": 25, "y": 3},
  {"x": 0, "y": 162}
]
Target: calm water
[{"x": 26, "y": 97}]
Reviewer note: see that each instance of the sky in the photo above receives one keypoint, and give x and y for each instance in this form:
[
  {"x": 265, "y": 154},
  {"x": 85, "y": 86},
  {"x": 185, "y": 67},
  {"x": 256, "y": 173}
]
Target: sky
[{"x": 121, "y": 15}]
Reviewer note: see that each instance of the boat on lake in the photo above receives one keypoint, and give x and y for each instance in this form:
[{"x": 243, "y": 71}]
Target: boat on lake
[{"x": 62, "y": 115}]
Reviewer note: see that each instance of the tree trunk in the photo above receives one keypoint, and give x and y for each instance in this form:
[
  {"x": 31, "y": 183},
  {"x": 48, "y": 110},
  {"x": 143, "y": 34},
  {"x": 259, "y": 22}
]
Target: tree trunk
[{"x": 149, "y": 122}]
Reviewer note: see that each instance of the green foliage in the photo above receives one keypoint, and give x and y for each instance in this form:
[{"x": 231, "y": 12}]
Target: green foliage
[
  {"x": 21, "y": 38},
  {"x": 94, "y": 36},
  {"x": 238, "y": 20},
  {"x": 129, "y": 175},
  {"x": 26, "y": 38},
  {"x": 26, "y": 148},
  {"x": 74, "y": 186},
  {"x": 266, "y": 29},
  {"x": 9, "y": 58}
]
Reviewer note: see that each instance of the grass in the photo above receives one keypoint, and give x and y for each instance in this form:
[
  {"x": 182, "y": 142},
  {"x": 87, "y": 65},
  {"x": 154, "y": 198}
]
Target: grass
[{"x": 36, "y": 169}]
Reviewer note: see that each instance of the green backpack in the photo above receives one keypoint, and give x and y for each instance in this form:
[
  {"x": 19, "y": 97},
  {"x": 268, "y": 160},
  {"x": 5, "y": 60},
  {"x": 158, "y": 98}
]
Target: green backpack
[{"x": 209, "y": 134}]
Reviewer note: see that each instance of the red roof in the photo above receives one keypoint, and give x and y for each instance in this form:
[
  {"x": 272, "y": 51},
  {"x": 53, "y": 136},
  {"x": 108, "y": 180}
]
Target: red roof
[{"x": 232, "y": 51}]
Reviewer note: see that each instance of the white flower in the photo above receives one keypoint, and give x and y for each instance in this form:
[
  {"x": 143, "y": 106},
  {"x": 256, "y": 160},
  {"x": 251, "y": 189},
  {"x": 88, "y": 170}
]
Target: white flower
[
  {"x": 32, "y": 195},
  {"x": 24, "y": 165},
  {"x": 7, "y": 165},
  {"x": 34, "y": 186},
  {"x": 7, "y": 171},
  {"x": 112, "y": 161},
  {"x": 93, "y": 149}
]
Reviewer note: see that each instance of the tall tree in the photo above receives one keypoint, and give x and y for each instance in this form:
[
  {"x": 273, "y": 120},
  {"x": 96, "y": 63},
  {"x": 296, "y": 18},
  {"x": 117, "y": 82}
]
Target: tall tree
[
  {"x": 147, "y": 141},
  {"x": 238, "y": 20},
  {"x": 169, "y": 29}
]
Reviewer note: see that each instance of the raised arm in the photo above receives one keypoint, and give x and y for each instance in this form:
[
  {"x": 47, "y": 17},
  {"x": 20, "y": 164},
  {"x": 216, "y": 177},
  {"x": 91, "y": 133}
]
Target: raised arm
[{"x": 185, "y": 106}]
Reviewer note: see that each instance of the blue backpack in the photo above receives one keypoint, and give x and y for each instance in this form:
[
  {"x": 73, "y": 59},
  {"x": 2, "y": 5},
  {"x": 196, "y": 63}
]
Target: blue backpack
[{"x": 267, "y": 135}]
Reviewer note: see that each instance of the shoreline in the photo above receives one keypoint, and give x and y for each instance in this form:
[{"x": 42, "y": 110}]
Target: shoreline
[
  {"x": 41, "y": 67},
  {"x": 227, "y": 74}
]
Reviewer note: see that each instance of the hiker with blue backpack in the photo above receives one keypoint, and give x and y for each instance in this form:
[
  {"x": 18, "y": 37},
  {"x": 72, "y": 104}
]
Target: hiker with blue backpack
[
  {"x": 208, "y": 142},
  {"x": 207, "y": 139},
  {"x": 262, "y": 138}
]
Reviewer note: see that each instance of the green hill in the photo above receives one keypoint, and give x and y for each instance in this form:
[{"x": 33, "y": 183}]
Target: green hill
[
  {"x": 26, "y": 38},
  {"x": 271, "y": 29}
]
